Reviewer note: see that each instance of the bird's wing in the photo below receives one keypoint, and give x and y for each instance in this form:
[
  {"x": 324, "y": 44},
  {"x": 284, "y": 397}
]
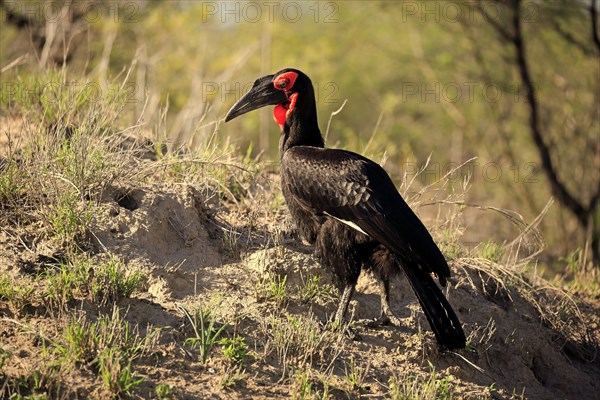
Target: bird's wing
[{"x": 358, "y": 192}]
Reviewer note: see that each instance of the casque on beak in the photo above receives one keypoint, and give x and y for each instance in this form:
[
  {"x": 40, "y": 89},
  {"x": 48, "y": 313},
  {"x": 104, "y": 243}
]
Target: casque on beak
[{"x": 263, "y": 93}]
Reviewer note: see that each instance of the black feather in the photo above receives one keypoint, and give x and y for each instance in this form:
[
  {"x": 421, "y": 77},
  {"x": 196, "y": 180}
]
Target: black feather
[{"x": 442, "y": 319}]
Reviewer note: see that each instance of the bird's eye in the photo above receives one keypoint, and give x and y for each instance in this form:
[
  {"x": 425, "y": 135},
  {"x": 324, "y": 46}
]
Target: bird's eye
[{"x": 285, "y": 81}]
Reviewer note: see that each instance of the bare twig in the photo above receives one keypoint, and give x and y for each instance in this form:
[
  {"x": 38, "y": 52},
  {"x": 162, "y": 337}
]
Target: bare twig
[{"x": 334, "y": 113}]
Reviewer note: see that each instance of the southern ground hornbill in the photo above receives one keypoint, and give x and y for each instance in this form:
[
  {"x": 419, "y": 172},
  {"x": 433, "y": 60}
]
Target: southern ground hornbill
[{"x": 348, "y": 207}]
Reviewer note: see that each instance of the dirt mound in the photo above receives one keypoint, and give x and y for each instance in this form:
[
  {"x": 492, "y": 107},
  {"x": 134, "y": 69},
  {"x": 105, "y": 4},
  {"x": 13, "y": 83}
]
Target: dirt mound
[
  {"x": 296, "y": 266},
  {"x": 164, "y": 230}
]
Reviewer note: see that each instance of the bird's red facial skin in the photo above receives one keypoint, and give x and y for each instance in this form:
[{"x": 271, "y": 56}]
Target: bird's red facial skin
[
  {"x": 283, "y": 111},
  {"x": 279, "y": 114},
  {"x": 285, "y": 82}
]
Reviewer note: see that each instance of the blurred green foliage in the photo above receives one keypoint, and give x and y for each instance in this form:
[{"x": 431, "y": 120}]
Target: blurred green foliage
[{"x": 421, "y": 78}]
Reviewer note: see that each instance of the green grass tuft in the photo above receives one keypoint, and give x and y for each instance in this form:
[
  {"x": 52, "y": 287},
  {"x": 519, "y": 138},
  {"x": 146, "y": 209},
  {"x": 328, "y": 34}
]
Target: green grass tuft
[{"x": 206, "y": 331}]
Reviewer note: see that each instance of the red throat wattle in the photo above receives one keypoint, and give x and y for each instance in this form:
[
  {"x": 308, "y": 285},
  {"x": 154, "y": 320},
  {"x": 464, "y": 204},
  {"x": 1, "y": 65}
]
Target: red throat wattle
[{"x": 283, "y": 111}]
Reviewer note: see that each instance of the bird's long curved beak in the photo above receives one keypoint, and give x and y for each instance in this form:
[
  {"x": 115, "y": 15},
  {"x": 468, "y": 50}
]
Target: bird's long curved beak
[{"x": 263, "y": 93}]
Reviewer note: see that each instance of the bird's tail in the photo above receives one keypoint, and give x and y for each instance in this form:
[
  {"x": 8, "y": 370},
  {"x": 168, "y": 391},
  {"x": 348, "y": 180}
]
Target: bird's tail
[{"x": 439, "y": 313}]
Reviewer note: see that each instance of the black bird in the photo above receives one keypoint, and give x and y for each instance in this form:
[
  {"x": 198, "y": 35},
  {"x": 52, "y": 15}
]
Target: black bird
[{"x": 348, "y": 206}]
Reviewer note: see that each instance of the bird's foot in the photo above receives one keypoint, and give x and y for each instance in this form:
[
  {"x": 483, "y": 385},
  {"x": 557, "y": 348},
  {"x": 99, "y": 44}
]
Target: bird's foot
[{"x": 383, "y": 320}]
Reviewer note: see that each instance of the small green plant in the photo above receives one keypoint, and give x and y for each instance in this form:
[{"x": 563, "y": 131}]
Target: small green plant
[
  {"x": 65, "y": 282},
  {"x": 18, "y": 292},
  {"x": 273, "y": 288},
  {"x": 432, "y": 387},
  {"x": 305, "y": 388},
  {"x": 107, "y": 281},
  {"x": 277, "y": 202},
  {"x": 233, "y": 375},
  {"x": 470, "y": 345},
  {"x": 231, "y": 238},
  {"x": 314, "y": 289},
  {"x": 206, "y": 331},
  {"x": 113, "y": 331},
  {"x": 165, "y": 391},
  {"x": 356, "y": 375},
  {"x": 490, "y": 251},
  {"x": 300, "y": 339},
  {"x": 116, "y": 372},
  {"x": 235, "y": 349},
  {"x": 572, "y": 261},
  {"x": 70, "y": 217},
  {"x": 40, "y": 384},
  {"x": 79, "y": 342},
  {"x": 109, "y": 344},
  {"x": 113, "y": 281},
  {"x": 449, "y": 243},
  {"x": 11, "y": 181},
  {"x": 79, "y": 159},
  {"x": 302, "y": 384},
  {"x": 579, "y": 274}
]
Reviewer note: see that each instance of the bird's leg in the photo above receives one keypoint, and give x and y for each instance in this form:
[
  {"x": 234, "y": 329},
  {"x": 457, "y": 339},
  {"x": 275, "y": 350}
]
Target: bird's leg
[
  {"x": 386, "y": 312},
  {"x": 344, "y": 301},
  {"x": 341, "y": 311},
  {"x": 387, "y": 316}
]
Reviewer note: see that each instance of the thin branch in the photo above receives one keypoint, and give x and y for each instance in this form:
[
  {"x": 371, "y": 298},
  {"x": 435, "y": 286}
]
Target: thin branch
[
  {"x": 336, "y": 112},
  {"x": 558, "y": 188},
  {"x": 594, "y": 17},
  {"x": 18, "y": 61}
]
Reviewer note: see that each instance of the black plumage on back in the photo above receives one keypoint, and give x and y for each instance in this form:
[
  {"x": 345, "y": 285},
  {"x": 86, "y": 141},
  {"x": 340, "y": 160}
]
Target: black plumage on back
[{"x": 348, "y": 206}]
